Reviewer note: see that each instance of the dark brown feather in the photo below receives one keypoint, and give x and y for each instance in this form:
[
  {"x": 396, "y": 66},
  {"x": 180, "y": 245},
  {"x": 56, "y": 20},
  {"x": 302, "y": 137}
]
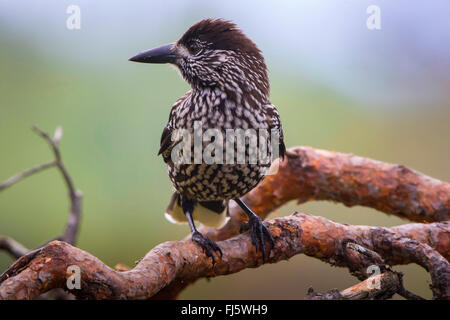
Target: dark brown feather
[{"x": 222, "y": 35}]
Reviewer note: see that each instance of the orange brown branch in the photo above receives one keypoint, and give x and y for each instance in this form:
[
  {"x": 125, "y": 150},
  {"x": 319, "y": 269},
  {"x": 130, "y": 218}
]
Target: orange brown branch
[
  {"x": 183, "y": 262},
  {"x": 309, "y": 174}
]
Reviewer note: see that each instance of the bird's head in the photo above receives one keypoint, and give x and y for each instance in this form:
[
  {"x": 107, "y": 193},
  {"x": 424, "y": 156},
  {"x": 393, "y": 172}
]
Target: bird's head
[{"x": 214, "y": 53}]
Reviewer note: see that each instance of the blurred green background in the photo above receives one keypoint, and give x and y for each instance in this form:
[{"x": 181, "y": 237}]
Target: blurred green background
[{"x": 383, "y": 94}]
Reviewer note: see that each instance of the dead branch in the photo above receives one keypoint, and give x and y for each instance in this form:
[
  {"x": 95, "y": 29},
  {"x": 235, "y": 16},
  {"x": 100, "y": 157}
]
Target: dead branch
[
  {"x": 16, "y": 178},
  {"x": 308, "y": 174},
  {"x": 312, "y": 174},
  {"x": 389, "y": 284},
  {"x": 379, "y": 280},
  {"x": 14, "y": 248},
  {"x": 183, "y": 261},
  {"x": 329, "y": 240},
  {"x": 75, "y": 196}
]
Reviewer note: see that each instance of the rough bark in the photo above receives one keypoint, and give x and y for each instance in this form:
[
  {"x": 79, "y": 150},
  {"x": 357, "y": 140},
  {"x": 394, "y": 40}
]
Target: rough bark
[
  {"x": 183, "y": 261},
  {"x": 312, "y": 174},
  {"x": 308, "y": 174}
]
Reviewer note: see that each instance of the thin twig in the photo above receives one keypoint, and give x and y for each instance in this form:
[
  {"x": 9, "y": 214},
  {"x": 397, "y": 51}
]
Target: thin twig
[
  {"x": 54, "y": 144},
  {"x": 16, "y": 178},
  {"x": 75, "y": 196},
  {"x": 15, "y": 249},
  {"x": 183, "y": 261},
  {"x": 408, "y": 295}
]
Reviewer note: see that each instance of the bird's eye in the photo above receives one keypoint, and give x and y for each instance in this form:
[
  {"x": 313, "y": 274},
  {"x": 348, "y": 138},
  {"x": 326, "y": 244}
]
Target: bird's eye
[{"x": 194, "y": 47}]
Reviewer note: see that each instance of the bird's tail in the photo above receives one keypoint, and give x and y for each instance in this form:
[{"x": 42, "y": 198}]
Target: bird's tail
[{"x": 210, "y": 213}]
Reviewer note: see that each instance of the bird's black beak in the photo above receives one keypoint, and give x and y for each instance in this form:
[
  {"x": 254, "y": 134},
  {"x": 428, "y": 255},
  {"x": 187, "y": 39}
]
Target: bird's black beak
[{"x": 163, "y": 54}]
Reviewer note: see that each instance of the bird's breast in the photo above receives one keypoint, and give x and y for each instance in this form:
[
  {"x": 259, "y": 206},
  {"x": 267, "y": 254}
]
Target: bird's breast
[{"x": 215, "y": 120}]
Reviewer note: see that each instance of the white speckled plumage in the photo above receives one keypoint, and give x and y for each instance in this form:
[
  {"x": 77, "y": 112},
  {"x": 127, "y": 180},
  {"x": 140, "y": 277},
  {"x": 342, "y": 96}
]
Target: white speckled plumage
[{"x": 230, "y": 90}]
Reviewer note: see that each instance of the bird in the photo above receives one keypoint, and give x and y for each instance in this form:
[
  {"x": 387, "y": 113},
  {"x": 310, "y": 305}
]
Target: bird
[{"x": 229, "y": 91}]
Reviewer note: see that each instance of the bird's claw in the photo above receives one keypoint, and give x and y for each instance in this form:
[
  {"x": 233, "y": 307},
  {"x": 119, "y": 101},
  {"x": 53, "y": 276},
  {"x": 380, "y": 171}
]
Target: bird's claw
[
  {"x": 208, "y": 246},
  {"x": 258, "y": 231}
]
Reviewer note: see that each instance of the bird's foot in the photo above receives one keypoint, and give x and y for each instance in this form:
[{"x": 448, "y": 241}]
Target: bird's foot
[
  {"x": 258, "y": 231},
  {"x": 207, "y": 245}
]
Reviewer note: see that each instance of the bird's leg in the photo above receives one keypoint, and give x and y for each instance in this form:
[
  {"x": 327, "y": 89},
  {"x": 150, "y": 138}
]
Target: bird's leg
[
  {"x": 257, "y": 229},
  {"x": 205, "y": 243}
]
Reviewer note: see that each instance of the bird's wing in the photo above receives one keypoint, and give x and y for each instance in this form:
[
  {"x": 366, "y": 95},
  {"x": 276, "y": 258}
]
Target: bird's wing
[
  {"x": 273, "y": 118},
  {"x": 167, "y": 142}
]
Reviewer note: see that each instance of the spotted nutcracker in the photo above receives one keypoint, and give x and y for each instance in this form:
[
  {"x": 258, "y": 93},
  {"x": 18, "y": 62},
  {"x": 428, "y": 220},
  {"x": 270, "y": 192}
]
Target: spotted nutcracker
[{"x": 230, "y": 90}]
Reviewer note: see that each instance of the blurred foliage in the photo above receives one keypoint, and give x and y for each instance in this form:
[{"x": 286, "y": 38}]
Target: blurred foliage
[{"x": 113, "y": 113}]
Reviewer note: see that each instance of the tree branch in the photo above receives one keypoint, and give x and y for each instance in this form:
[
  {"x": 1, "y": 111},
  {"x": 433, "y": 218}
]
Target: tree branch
[
  {"x": 16, "y": 178},
  {"x": 310, "y": 174},
  {"x": 379, "y": 280},
  {"x": 389, "y": 284},
  {"x": 14, "y": 248},
  {"x": 75, "y": 196},
  {"x": 183, "y": 261}
]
